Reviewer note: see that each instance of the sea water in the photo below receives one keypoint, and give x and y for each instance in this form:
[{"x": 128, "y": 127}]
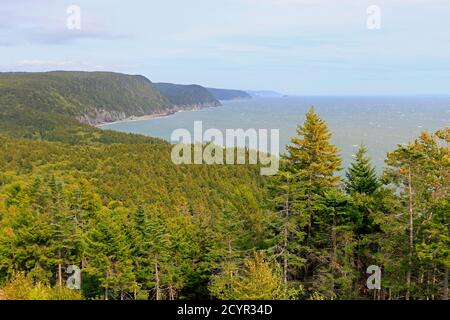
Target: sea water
[{"x": 381, "y": 123}]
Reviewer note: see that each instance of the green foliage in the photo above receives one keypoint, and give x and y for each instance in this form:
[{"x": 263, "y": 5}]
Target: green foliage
[
  {"x": 306, "y": 179},
  {"x": 256, "y": 279},
  {"x": 141, "y": 227},
  {"x": 187, "y": 95},
  {"x": 421, "y": 173},
  {"x": 22, "y": 287},
  {"x": 361, "y": 175},
  {"x": 77, "y": 93},
  {"x": 119, "y": 219}
]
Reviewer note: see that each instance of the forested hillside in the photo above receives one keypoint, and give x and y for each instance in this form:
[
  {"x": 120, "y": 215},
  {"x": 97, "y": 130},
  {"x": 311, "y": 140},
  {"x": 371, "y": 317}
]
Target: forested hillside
[
  {"x": 228, "y": 94},
  {"x": 92, "y": 97},
  {"x": 140, "y": 227},
  {"x": 187, "y": 96},
  {"x": 64, "y": 195}
]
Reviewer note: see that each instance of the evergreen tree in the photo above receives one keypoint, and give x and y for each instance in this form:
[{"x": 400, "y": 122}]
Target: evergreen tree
[
  {"x": 109, "y": 255},
  {"x": 361, "y": 175},
  {"x": 257, "y": 280},
  {"x": 420, "y": 171},
  {"x": 288, "y": 227},
  {"x": 66, "y": 239},
  {"x": 335, "y": 243},
  {"x": 312, "y": 162},
  {"x": 157, "y": 249}
]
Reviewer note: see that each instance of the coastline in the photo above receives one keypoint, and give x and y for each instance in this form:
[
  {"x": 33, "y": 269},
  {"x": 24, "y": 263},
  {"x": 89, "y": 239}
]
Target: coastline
[
  {"x": 166, "y": 113},
  {"x": 139, "y": 118},
  {"x": 153, "y": 116}
]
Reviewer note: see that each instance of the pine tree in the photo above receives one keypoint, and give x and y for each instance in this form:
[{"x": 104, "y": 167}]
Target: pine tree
[{"x": 361, "y": 175}]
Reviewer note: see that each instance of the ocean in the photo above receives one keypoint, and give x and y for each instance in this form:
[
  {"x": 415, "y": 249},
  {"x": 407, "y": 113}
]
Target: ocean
[{"x": 381, "y": 123}]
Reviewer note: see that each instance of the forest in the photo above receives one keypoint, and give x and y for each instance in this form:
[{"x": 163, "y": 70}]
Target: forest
[{"x": 140, "y": 227}]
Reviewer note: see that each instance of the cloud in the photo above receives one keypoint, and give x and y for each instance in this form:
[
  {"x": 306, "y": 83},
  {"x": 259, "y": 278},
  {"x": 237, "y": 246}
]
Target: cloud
[
  {"x": 45, "y": 22},
  {"x": 48, "y": 65}
]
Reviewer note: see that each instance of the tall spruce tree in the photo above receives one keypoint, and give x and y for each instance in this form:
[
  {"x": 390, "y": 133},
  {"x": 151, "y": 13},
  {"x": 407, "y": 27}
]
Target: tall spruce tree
[
  {"x": 361, "y": 175},
  {"x": 307, "y": 174},
  {"x": 313, "y": 161}
]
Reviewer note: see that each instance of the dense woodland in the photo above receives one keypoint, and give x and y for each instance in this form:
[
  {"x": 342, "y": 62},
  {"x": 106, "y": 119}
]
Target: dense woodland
[
  {"x": 141, "y": 227},
  {"x": 76, "y": 93},
  {"x": 187, "y": 95}
]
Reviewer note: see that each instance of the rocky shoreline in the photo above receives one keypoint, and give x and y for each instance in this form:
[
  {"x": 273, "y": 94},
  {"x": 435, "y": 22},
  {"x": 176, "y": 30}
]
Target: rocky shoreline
[{"x": 104, "y": 117}]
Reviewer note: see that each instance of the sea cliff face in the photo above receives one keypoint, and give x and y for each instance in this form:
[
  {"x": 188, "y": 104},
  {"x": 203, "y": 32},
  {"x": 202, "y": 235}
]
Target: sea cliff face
[
  {"x": 101, "y": 116},
  {"x": 197, "y": 106}
]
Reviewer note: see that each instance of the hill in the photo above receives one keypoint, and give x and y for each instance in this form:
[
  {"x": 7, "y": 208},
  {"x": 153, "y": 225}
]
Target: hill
[
  {"x": 57, "y": 172},
  {"x": 265, "y": 94},
  {"x": 91, "y": 97},
  {"x": 228, "y": 94},
  {"x": 187, "y": 96}
]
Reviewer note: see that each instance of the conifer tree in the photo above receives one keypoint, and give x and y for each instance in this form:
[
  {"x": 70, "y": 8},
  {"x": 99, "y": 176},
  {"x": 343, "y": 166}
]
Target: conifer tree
[
  {"x": 334, "y": 244},
  {"x": 288, "y": 226},
  {"x": 420, "y": 172},
  {"x": 155, "y": 255},
  {"x": 65, "y": 241},
  {"x": 311, "y": 163},
  {"x": 256, "y": 280},
  {"x": 361, "y": 175},
  {"x": 109, "y": 255}
]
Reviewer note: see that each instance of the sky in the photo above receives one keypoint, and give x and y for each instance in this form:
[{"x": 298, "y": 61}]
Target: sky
[{"x": 302, "y": 47}]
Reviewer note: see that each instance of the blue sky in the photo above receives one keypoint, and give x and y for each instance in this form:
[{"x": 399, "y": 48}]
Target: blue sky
[{"x": 307, "y": 47}]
